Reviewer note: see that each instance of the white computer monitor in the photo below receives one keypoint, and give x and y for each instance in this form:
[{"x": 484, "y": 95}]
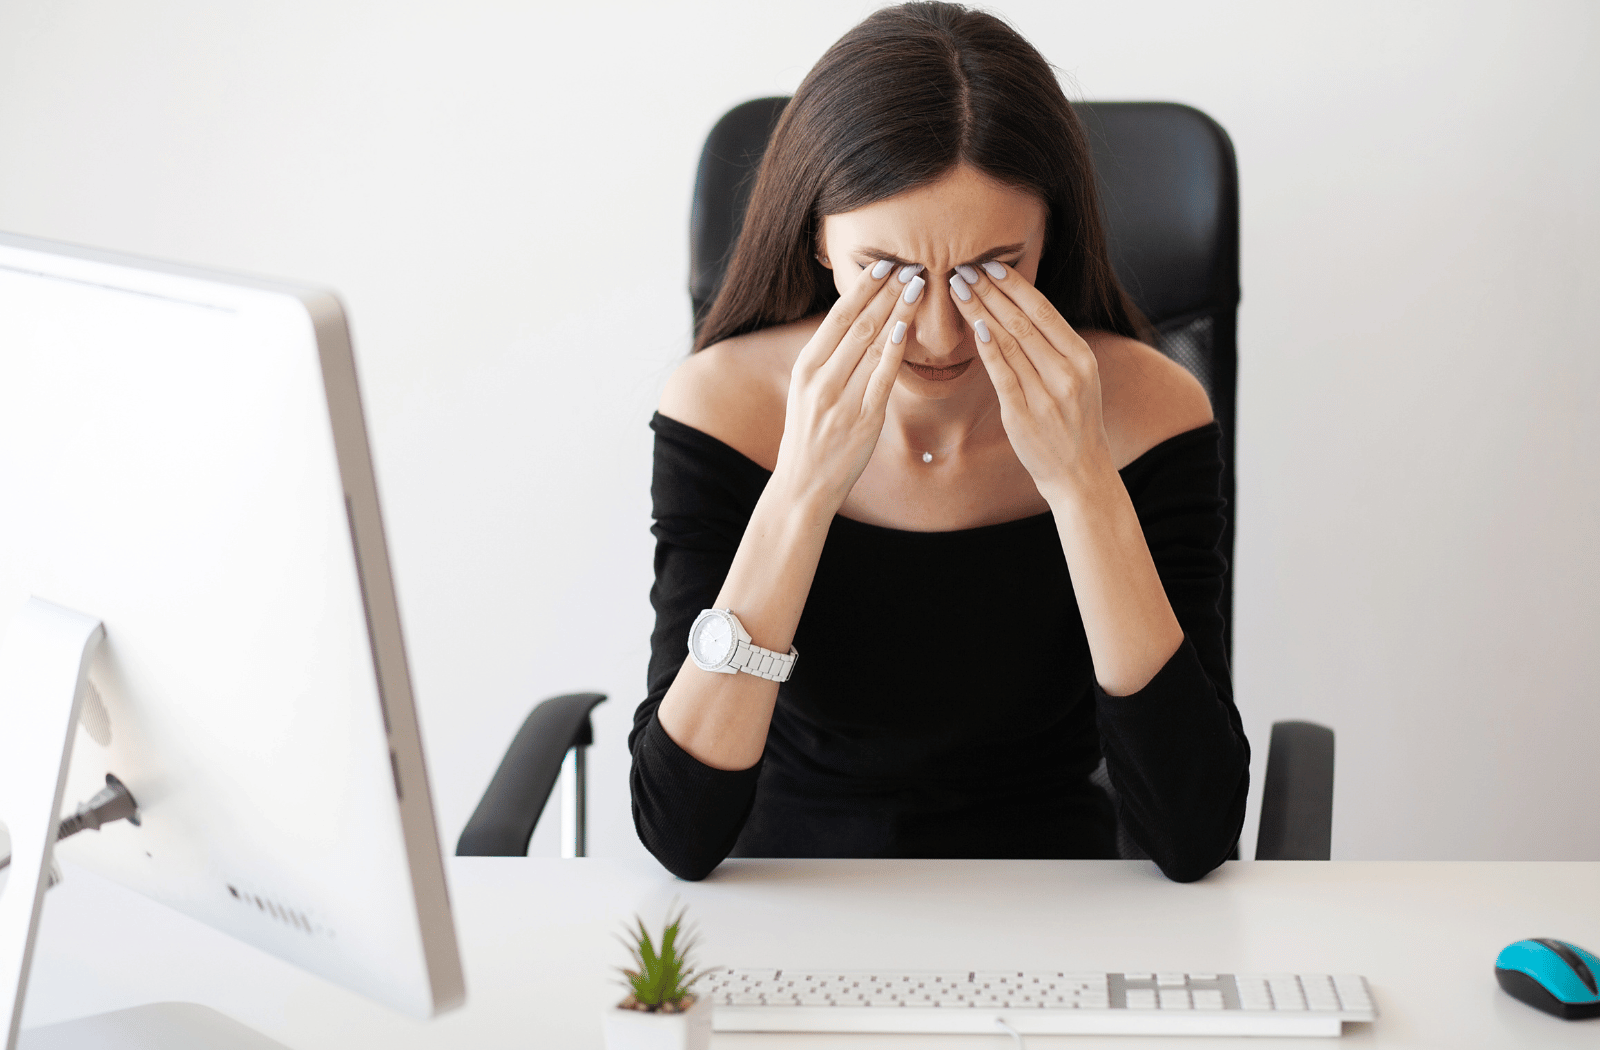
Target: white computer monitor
[{"x": 183, "y": 457}]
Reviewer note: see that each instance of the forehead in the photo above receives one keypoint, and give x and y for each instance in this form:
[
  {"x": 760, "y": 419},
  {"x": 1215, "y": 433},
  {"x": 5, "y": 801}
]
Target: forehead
[{"x": 942, "y": 223}]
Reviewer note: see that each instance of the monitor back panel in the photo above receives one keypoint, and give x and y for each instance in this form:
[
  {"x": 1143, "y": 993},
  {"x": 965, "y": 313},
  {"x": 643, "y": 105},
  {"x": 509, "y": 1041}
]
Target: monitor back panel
[{"x": 183, "y": 456}]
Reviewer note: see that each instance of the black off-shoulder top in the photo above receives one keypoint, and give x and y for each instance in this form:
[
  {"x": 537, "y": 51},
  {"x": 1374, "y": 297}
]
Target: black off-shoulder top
[{"x": 944, "y": 703}]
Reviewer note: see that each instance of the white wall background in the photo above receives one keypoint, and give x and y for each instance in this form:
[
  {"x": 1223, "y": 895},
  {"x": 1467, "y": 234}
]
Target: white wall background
[{"x": 500, "y": 192}]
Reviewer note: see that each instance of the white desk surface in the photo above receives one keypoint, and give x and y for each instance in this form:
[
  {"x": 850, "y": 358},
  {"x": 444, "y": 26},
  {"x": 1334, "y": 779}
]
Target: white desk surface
[{"x": 537, "y": 940}]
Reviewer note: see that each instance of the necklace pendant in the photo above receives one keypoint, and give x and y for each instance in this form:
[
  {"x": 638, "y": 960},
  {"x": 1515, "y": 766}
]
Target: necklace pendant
[{"x": 927, "y": 457}]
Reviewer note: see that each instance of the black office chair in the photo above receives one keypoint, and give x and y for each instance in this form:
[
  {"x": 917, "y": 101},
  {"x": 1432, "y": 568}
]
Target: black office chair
[
  {"x": 1169, "y": 189},
  {"x": 503, "y": 823},
  {"x": 1169, "y": 192}
]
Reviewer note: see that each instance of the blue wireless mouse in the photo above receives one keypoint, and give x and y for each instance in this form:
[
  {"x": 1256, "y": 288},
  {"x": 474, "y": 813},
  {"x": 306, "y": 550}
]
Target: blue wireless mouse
[{"x": 1557, "y": 977}]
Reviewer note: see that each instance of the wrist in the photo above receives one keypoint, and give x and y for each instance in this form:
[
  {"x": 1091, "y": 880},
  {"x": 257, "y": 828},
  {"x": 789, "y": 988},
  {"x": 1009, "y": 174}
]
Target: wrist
[
  {"x": 769, "y": 579},
  {"x": 1078, "y": 493},
  {"x": 798, "y": 497}
]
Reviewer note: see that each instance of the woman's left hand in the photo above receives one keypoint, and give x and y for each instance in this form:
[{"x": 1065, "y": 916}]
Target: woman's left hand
[{"x": 1045, "y": 374}]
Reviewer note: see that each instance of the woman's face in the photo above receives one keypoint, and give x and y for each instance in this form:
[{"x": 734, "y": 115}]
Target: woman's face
[{"x": 965, "y": 217}]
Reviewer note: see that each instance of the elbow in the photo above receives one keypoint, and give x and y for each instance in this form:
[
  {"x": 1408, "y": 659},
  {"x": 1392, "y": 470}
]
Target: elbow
[
  {"x": 684, "y": 855},
  {"x": 687, "y": 815},
  {"x": 1215, "y": 837},
  {"x": 677, "y": 856},
  {"x": 1189, "y": 869},
  {"x": 686, "y": 869}
]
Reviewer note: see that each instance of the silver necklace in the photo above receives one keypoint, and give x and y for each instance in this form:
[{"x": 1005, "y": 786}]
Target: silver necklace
[{"x": 927, "y": 456}]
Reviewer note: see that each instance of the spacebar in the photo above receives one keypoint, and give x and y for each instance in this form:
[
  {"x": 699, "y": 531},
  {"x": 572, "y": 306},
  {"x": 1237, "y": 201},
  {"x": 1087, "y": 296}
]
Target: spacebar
[{"x": 1027, "y": 1021}]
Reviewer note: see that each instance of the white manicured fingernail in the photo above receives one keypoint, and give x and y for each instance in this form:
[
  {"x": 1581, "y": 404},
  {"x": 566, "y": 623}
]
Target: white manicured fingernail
[
  {"x": 898, "y": 335},
  {"x": 881, "y": 268},
  {"x": 962, "y": 289},
  {"x": 967, "y": 273},
  {"x": 982, "y": 330},
  {"x": 913, "y": 289},
  {"x": 908, "y": 271},
  {"x": 994, "y": 269}
]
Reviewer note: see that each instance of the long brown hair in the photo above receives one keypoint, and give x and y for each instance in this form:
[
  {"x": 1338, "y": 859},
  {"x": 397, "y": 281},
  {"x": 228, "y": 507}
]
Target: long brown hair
[{"x": 897, "y": 103}]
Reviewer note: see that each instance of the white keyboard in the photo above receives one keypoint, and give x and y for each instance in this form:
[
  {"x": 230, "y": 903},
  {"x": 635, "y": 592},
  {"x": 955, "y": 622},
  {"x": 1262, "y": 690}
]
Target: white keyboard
[{"x": 1037, "y": 1003}]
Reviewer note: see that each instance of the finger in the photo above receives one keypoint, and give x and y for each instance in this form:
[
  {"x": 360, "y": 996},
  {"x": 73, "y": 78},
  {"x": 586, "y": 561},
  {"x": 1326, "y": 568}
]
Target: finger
[
  {"x": 1001, "y": 375},
  {"x": 1004, "y": 290},
  {"x": 1060, "y": 371},
  {"x": 1002, "y": 342},
  {"x": 880, "y": 381},
  {"x": 897, "y": 299},
  {"x": 836, "y": 325},
  {"x": 891, "y": 338}
]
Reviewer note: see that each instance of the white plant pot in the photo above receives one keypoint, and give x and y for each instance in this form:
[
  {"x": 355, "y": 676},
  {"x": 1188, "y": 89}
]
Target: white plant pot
[{"x": 640, "y": 1030}]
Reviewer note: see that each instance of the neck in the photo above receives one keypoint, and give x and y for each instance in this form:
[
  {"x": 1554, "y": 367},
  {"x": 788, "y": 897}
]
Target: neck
[{"x": 941, "y": 426}]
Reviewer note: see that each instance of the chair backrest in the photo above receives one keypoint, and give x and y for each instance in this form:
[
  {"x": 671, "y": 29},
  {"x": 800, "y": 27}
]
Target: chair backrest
[{"x": 1169, "y": 195}]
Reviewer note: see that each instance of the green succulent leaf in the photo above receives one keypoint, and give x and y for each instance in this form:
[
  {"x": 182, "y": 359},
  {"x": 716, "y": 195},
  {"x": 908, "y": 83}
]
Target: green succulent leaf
[{"x": 663, "y": 974}]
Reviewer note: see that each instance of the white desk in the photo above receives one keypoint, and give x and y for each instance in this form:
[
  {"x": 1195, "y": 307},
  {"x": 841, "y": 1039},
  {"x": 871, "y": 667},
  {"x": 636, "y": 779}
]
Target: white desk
[{"x": 537, "y": 938}]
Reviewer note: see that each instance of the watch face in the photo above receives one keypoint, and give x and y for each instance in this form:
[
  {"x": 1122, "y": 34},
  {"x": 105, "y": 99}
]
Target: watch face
[{"x": 711, "y": 641}]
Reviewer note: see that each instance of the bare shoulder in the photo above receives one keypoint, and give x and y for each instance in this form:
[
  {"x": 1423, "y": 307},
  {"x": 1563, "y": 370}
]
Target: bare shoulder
[
  {"x": 736, "y": 390},
  {"x": 1146, "y": 396}
]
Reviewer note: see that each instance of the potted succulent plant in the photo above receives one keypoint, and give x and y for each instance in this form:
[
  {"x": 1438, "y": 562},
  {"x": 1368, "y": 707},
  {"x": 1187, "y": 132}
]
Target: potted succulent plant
[{"x": 660, "y": 1011}]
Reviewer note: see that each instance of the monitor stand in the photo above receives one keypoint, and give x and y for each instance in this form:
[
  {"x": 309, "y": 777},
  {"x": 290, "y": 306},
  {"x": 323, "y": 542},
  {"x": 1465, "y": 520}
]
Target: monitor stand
[{"x": 44, "y": 664}]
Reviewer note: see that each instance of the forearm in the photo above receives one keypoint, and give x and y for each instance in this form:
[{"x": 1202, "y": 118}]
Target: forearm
[
  {"x": 1131, "y": 628},
  {"x": 721, "y": 720}
]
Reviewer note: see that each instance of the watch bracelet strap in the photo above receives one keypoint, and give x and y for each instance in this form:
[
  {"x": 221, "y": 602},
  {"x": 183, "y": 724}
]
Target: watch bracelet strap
[{"x": 764, "y": 663}]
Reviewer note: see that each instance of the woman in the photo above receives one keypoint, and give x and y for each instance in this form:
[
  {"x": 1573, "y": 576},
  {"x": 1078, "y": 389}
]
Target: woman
[{"x": 920, "y": 443}]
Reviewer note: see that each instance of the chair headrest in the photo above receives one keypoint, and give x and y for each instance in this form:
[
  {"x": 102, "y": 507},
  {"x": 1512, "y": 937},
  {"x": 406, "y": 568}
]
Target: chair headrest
[{"x": 1168, "y": 190}]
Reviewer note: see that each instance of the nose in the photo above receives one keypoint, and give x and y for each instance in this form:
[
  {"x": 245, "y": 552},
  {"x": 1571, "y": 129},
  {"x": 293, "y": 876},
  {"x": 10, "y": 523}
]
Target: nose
[{"x": 938, "y": 326}]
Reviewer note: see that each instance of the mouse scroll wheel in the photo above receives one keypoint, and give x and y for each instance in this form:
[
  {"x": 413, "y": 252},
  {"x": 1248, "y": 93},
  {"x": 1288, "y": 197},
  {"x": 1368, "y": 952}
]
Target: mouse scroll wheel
[{"x": 1572, "y": 959}]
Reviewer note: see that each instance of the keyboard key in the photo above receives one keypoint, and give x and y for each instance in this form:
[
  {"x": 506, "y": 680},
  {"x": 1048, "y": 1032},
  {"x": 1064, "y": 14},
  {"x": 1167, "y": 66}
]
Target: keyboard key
[
  {"x": 1174, "y": 998},
  {"x": 1319, "y": 991},
  {"x": 1141, "y": 998},
  {"x": 1138, "y": 977},
  {"x": 751, "y": 975},
  {"x": 1286, "y": 992},
  {"x": 1352, "y": 991},
  {"x": 1253, "y": 993},
  {"x": 1171, "y": 980},
  {"x": 1207, "y": 999}
]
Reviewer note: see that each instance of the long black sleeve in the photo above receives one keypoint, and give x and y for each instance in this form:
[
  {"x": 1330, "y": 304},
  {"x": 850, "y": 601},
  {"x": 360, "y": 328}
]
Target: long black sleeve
[
  {"x": 702, "y": 494},
  {"x": 944, "y": 702},
  {"x": 1176, "y": 751}
]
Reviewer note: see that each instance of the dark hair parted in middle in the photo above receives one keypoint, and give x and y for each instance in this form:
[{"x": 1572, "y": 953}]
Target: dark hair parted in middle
[{"x": 897, "y": 103}]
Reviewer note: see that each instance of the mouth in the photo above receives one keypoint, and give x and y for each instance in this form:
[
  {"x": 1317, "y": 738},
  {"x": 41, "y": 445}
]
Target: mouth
[{"x": 940, "y": 375}]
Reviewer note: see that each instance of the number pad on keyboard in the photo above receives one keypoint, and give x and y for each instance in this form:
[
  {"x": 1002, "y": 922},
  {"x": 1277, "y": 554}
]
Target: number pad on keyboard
[{"x": 1169, "y": 991}]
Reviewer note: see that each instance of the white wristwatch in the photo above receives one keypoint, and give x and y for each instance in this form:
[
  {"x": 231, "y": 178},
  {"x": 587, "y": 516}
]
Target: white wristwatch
[{"x": 718, "y": 642}]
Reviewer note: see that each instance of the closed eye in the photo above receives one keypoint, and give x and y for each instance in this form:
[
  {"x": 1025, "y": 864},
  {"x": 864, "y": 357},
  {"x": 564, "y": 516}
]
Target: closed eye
[{"x": 1010, "y": 254}]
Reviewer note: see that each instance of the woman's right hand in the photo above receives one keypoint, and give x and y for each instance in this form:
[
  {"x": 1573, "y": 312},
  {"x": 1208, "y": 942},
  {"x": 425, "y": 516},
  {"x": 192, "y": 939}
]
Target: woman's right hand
[
  {"x": 838, "y": 392},
  {"x": 839, "y": 387}
]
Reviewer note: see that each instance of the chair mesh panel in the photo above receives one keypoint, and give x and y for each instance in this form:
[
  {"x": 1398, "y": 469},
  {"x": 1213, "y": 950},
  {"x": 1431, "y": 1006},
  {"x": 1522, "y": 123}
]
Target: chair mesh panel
[
  {"x": 1191, "y": 344},
  {"x": 1127, "y": 849}
]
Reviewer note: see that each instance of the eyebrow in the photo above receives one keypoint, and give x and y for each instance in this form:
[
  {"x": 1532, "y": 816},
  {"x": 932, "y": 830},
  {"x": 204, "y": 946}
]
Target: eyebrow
[{"x": 992, "y": 253}]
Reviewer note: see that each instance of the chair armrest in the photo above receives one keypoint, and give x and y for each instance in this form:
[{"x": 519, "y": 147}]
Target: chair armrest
[
  {"x": 503, "y": 823},
  {"x": 1297, "y": 800}
]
